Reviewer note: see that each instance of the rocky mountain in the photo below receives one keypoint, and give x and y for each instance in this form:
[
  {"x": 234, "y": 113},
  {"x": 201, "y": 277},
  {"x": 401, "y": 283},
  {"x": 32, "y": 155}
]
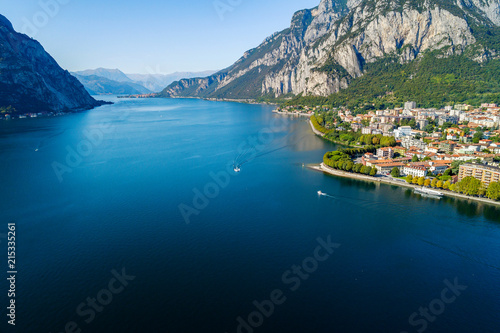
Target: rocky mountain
[
  {"x": 32, "y": 81},
  {"x": 328, "y": 47},
  {"x": 114, "y": 81}
]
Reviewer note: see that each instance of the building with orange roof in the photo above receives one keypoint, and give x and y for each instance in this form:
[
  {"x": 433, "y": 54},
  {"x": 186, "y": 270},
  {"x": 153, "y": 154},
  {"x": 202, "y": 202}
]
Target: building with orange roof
[{"x": 386, "y": 168}]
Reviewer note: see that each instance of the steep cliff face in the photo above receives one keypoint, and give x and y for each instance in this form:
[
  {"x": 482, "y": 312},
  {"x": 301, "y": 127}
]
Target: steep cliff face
[
  {"x": 328, "y": 46},
  {"x": 32, "y": 81},
  {"x": 489, "y": 8}
]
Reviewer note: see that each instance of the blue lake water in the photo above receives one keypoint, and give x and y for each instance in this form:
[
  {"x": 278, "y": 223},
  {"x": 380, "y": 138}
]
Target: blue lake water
[{"x": 101, "y": 190}]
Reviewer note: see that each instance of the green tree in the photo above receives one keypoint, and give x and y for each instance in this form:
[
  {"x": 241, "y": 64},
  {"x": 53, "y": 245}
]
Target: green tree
[
  {"x": 388, "y": 141},
  {"x": 469, "y": 186},
  {"x": 429, "y": 128},
  {"x": 455, "y": 167},
  {"x": 373, "y": 172},
  {"x": 409, "y": 179},
  {"x": 477, "y": 137},
  {"x": 357, "y": 167},
  {"x": 415, "y": 180},
  {"x": 434, "y": 182},
  {"x": 421, "y": 181},
  {"x": 482, "y": 190},
  {"x": 414, "y": 158},
  {"x": 395, "y": 172},
  {"x": 447, "y": 184},
  {"x": 346, "y": 138},
  {"x": 493, "y": 191},
  {"x": 427, "y": 182},
  {"x": 439, "y": 184}
]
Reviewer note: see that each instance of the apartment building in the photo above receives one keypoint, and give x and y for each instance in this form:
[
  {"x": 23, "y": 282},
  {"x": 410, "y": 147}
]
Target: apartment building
[{"x": 484, "y": 173}]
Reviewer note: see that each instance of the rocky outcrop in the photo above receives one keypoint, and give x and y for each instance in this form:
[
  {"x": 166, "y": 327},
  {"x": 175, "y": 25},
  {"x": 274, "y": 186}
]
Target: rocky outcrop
[
  {"x": 328, "y": 46},
  {"x": 490, "y": 8},
  {"x": 32, "y": 81}
]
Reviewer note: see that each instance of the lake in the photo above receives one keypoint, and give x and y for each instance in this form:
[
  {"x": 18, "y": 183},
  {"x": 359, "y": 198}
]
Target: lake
[{"x": 130, "y": 218}]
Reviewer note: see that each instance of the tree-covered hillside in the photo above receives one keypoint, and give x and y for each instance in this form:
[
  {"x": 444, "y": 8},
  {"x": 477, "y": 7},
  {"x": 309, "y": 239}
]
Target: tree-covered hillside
[{"x": 432, "y": 81}]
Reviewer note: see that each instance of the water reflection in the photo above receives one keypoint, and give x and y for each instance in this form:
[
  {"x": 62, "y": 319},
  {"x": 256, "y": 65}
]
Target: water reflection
[{"x": 468, "y": 208}]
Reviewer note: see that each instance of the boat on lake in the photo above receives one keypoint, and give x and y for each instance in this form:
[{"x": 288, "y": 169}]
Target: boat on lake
[{"x": 426, "y": 191}]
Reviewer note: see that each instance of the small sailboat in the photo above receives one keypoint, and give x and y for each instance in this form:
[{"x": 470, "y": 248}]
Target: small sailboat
[{"x": 236, "y": 168}]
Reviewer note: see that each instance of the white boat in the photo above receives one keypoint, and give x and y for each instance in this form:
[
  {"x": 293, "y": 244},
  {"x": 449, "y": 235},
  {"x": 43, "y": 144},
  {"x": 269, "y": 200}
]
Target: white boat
[
  {"x": 320, "y": 193},
  {"x": 427, "y": 191},
  {"x": 236, "y": 169}
]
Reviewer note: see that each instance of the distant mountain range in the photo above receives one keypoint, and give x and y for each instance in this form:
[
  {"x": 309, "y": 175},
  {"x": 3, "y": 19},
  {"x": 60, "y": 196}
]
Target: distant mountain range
[
  {"x": 384, "y": 49},
  {"x": 97, "y": 85},
  {"x": 104, "y": 81},
  {"x": 32, "y": 81}
]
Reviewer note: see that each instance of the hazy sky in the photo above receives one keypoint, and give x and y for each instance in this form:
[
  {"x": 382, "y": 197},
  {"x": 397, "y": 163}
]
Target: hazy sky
[{"x": 150, "y": 36}]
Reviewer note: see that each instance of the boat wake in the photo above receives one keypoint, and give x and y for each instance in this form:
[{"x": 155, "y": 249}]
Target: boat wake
[{"x": 325, "y": 195}]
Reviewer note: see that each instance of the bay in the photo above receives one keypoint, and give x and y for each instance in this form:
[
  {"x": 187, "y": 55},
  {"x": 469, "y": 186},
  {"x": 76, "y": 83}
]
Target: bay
[{"x": 106, "y": 189}]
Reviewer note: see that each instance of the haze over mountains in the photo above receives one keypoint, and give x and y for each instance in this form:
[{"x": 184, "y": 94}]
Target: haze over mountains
[
  {"x": 329, "y": 47},
  {"x": 102, "y": 81}
]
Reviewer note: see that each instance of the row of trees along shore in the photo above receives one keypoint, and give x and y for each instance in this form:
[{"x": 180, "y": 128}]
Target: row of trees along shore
[
  {"x": 342, "y": 160},
  {"x": 350, "y": 138},
  {"x": 468, "y": 186}
]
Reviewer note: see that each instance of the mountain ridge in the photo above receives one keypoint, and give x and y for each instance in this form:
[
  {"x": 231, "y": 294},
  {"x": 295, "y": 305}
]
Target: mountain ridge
[
  {"x": 97, "y": 85},
  {"x": 114, "y": 80},
  {"x": 32, "y": 81},
  {"x": 327, "y": 47}
]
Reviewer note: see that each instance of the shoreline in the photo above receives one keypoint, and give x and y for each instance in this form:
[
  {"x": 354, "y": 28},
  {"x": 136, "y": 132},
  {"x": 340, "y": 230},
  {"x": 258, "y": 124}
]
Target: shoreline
[
  {"x": 316, "y": 131},
  {"x": 243, "y": 101},
  {"x": 322, "y": 135},
  {"x": 325, "y": 169}
]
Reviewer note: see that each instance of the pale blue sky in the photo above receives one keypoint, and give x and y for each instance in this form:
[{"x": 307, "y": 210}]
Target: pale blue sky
[{"x": 155, "y": 36}]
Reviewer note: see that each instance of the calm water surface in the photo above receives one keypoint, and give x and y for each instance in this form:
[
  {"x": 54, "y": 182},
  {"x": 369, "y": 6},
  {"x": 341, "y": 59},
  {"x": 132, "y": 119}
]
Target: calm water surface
[{"x": 115, "y": 205}]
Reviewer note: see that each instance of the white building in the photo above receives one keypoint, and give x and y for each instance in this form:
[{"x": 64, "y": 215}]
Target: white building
[
  {"x": 370, "y": 130},
  {"x": 409, "y": 141},
  {"x": 402, "y": 131},
  {"x": 456, "y": 113},
  {"x": 415, "y": 171},
  {"x": 462, "y": 107},
  {"x": 410, "y": 105},
  {"x": 437, "y": 168}
]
